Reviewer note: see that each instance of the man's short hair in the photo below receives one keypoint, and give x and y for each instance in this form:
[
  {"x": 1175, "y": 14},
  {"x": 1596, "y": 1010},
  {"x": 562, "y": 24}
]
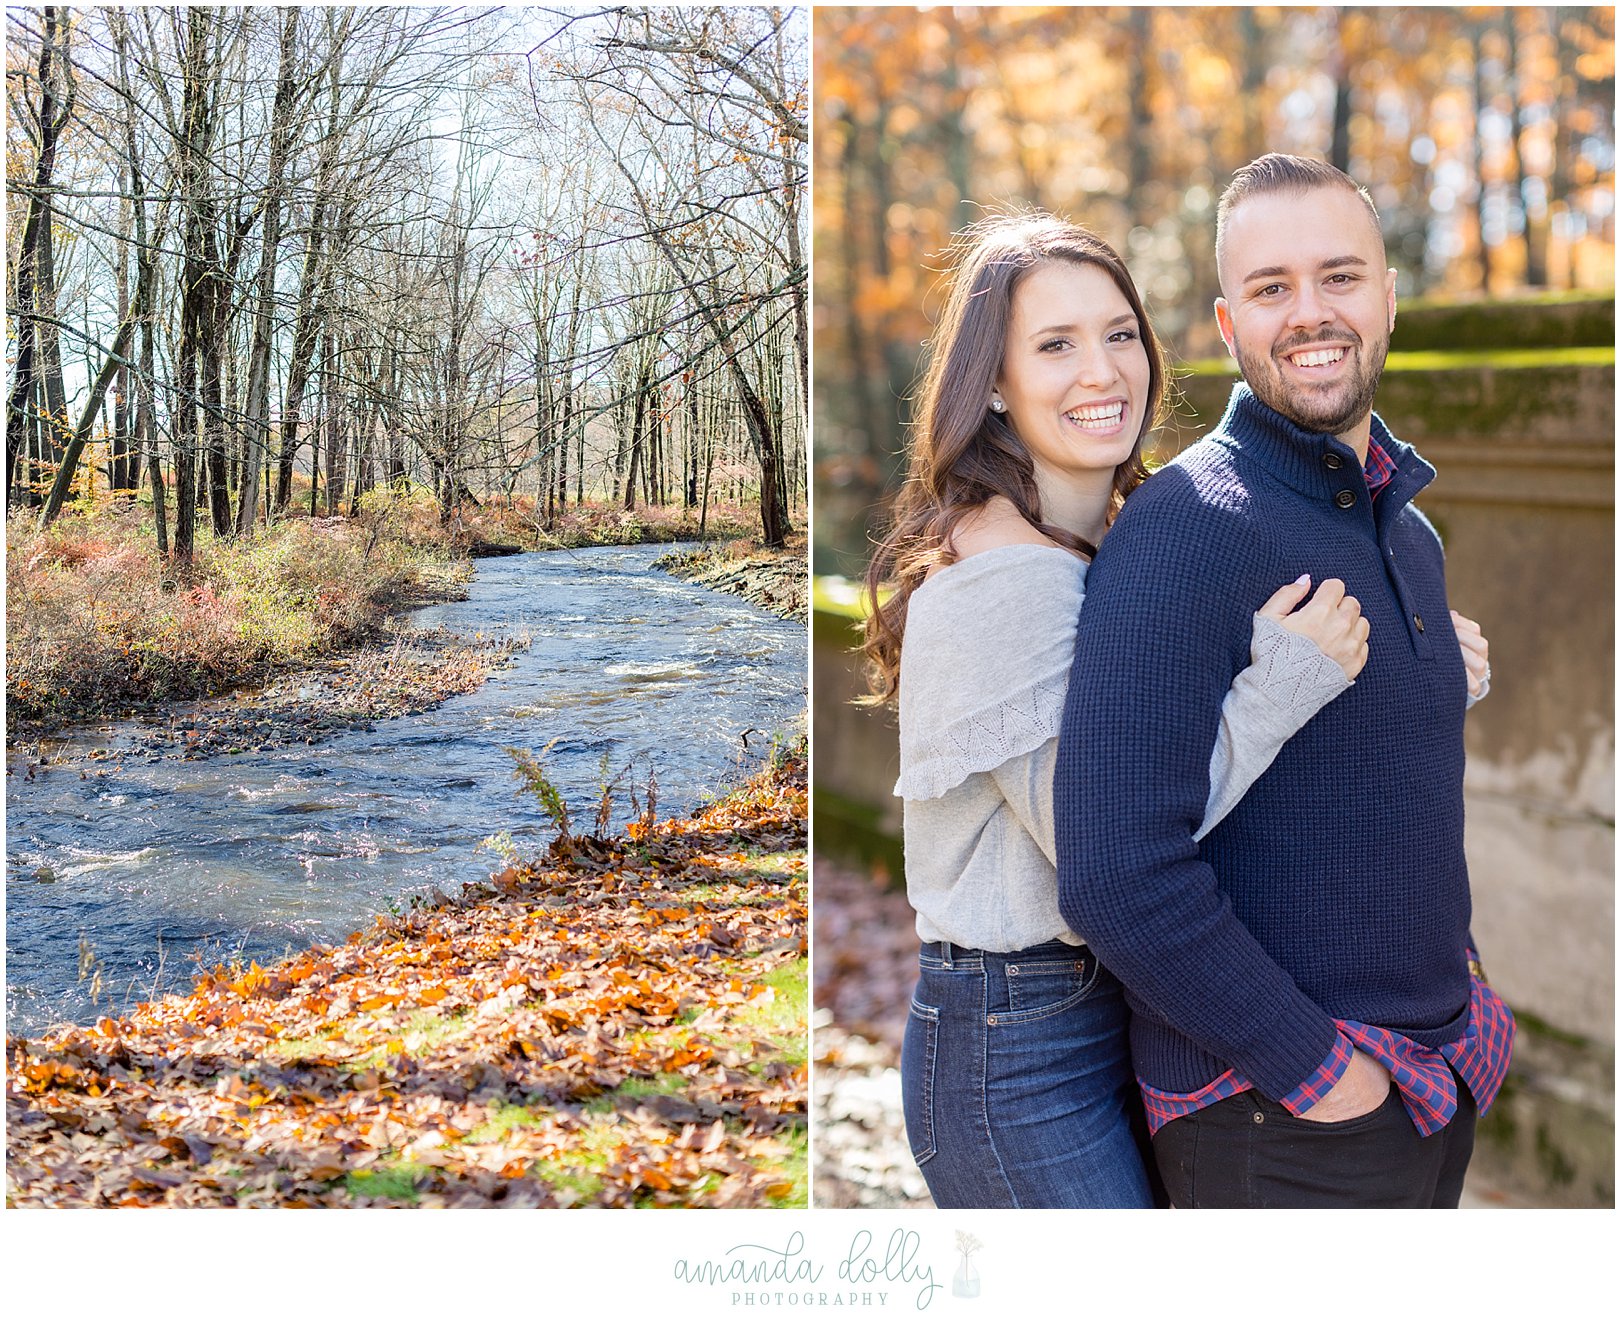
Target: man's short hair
[{"x": 1276, "y": 172}]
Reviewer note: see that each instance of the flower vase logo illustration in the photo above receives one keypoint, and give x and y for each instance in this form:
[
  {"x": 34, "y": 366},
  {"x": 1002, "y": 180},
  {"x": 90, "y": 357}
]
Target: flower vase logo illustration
[{"x": 966, "y": 1280}]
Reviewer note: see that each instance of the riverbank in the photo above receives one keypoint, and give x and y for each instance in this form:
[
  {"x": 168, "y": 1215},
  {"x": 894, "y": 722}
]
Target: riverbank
[
  {"x": 619, "y": 1023},
  {"x": 511, "y": 525},
  {"x": 778, "y": 580},
  {"x": 402, "y": 671},
  {"x": 99, "y": 627}
]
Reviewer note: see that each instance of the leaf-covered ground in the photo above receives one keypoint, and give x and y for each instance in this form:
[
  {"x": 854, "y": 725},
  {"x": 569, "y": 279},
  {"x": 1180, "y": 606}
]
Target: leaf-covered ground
[
  {"x": 622, "y": 1023},
  {"x": 866, "y": 965}
]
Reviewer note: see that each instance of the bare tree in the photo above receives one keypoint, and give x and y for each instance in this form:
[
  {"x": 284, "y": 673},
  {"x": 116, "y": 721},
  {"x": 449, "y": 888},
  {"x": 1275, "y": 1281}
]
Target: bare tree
[
  {"x": 39, "y": 359},
  {"x": 692, "y": 171}
]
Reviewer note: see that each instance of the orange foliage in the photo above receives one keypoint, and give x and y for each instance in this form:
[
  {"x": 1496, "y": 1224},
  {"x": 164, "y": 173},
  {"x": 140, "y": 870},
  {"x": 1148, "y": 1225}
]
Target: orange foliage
[{"x": 406, "y": 1045}]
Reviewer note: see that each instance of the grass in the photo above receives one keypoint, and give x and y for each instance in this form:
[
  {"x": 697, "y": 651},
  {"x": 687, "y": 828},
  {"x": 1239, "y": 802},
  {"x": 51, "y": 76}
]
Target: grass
[
  {"x": 422, "y": 1031},
  {"x": 794, "y": 1164},
  {"x": 388, "y": 1181},
  {"x": 584, "y": 1185},
  {"x": 636, "y": 1087},
  {"x": 589, "y": 1152},
  {"x": 1499, "y": 359},
  {"x": 1545, "y": 298},
  {"x": 98, "y": 624},
  {"x": 841, "y": 596},
  {"x": 727, "y": 893},
  {"x": 297, "y": 1050},
  {"x": 508, "y": 1118},
  {"x": 781, "y": 1018}
]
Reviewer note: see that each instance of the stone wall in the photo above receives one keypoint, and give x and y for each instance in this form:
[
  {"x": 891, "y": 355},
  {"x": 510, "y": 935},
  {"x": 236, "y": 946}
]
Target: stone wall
[
  {"x": 855, "y": 756},
  {"x": 1523, "y": 440}
]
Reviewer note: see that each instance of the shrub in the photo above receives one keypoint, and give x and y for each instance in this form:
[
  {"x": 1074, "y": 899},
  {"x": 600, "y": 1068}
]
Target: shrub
[{"x": 97, "y": 623}]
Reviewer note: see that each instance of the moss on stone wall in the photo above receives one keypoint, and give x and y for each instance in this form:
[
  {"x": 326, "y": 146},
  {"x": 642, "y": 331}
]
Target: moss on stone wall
[
  {"x": 1518, "y": 395},
  {"x": 1550, "y": 1138},
  {"x": 856, "y": 831},
  {"x": 1556, "y": 320}
]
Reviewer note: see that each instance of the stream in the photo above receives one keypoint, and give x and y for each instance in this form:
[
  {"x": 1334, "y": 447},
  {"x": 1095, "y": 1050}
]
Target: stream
[{"x": 168, "y": 861}]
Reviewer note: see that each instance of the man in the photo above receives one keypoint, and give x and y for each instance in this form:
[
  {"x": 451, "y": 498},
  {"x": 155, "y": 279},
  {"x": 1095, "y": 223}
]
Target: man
[{"x": 1310, "y": 1026}]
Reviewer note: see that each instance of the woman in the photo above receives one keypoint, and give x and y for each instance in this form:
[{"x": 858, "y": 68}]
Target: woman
[{"x": 1044, "y": 380}]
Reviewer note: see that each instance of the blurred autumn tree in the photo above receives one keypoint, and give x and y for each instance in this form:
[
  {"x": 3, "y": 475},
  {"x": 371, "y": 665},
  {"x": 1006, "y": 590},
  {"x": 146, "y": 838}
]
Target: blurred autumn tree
[{"x": 1485, "y": 134}]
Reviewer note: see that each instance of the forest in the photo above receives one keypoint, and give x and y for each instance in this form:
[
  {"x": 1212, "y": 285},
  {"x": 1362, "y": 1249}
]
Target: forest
[
  {"x": 1484, "y": 134},
  {"x": 272, "y": 258},
  {"x": 304, "y": 302}
]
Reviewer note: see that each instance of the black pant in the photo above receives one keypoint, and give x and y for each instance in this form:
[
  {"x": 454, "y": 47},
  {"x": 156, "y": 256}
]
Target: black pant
[{"x": 1250, "y": 1153}]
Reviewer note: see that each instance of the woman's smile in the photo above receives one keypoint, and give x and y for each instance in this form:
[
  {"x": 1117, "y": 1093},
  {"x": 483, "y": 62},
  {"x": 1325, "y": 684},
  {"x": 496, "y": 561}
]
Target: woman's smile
[{"x": 1104, "y": 418}]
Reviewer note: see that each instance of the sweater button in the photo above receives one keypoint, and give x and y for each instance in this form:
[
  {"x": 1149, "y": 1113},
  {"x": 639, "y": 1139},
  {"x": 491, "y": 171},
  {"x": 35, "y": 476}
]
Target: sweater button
[
  {"x": 1333, "y": 462},
  {"x": 1345, "y": 498},
  {"x": 1259, "y": 1117},
  {"x": 1418, "y": 621}
]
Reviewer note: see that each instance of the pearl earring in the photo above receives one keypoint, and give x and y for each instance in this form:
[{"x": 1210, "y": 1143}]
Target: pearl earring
[{"x": 998, "y": 406}]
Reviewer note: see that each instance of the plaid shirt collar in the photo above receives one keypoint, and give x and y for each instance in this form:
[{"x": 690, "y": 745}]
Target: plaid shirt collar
[{"x": 1379, "y": 468}]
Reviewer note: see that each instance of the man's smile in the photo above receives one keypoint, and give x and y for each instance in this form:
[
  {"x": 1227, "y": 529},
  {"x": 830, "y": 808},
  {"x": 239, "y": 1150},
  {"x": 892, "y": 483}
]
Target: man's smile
[{"x": 1309, "y": 358}]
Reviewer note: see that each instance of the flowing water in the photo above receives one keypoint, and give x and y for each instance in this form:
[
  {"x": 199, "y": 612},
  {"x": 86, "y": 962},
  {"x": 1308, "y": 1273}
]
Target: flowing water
[{"x": 255, "y": 854}]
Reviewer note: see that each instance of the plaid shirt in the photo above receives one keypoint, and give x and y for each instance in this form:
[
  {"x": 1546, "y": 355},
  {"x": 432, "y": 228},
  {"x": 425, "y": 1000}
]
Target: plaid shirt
[{"x": 1426, "y": 1077}]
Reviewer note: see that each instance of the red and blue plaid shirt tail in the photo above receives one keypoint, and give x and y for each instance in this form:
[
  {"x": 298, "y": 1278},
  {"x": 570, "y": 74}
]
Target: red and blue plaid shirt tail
[{"x": 1426, "y": 1077}]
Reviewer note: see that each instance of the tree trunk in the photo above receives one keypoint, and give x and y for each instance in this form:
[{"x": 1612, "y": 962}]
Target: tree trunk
[
  {"x": 1140, "y": 117},
  {"x": 38, "y": 345},
  {"x": 306, "y": 327},
  {"x": 1344, "y": 74},
  {"x": 1536, "y": 225},
  {"x": 87, "y": 420},
  {"x": 1566, "y": 142},
  {"x": 635, "y": 441},
  {"x": 1477, "y": 40},
  {"x": 258, "y": 399},
  {"x": 213, "y": 357},
  {"x": 146, "y": 265},
  {"x": 119, "y": 477},
  {"x": 337, "y": 474}
]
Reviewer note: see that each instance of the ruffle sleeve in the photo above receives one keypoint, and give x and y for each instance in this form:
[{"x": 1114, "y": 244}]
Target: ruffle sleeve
[{"x": 985, "y": 664}]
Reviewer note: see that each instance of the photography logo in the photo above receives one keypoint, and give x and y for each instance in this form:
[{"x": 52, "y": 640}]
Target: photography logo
[
  {"x": 965, "y": 1282},
  {"x": 863, "y": 1274}
]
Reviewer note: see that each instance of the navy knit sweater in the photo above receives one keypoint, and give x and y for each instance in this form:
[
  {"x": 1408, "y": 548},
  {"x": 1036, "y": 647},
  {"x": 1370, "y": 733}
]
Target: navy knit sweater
[{"x": 1337, "y": 887}]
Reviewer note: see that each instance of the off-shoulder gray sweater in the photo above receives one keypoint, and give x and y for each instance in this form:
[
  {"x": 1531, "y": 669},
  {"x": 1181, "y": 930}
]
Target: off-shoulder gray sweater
[{"x": 984, "y": 667}]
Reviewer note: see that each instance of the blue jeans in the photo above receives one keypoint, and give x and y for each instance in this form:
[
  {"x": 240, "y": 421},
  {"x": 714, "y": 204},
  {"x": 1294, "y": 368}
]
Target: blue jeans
[{"x": 1017, "y": 1082}]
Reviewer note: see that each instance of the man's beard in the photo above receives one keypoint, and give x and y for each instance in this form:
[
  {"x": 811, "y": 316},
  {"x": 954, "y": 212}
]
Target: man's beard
[{"x": 1327, "y": 412}]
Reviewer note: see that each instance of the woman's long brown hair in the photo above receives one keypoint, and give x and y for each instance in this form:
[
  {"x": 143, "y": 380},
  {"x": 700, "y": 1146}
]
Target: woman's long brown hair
[{"x": 962, "y": 453}]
